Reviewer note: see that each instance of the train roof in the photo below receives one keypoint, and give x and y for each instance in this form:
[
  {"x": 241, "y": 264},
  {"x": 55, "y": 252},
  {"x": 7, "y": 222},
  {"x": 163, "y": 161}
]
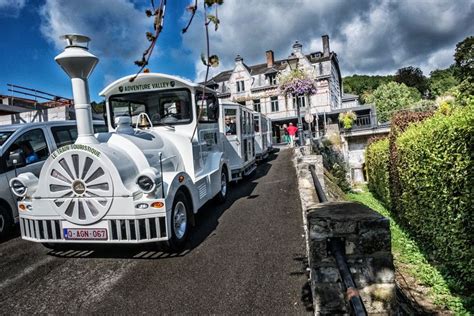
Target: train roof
[{"x": 149, "y": 82}]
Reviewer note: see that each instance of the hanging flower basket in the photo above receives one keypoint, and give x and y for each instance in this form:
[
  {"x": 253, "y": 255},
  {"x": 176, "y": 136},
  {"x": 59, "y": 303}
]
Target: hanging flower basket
[{"x": 297, "y": 82}]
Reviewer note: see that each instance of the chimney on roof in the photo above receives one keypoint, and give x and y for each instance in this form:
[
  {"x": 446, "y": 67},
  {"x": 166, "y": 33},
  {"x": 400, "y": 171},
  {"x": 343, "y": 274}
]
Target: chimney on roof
[
  {"x": 238, "y": 59},
  {"x": 297, "y": 48},
  {"x": 270, "y": 58},
  {"x": 325, "y": 45}
]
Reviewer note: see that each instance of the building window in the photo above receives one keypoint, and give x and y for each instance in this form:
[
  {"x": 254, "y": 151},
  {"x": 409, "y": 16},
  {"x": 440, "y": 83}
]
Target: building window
[
  {"x": 301, "y": 100},
  {"x": 256, "y": 105},
  {"x": 272, "y": 79},
  {"x": 274, "y": 103},
  {"x": 240, "y": 86}
]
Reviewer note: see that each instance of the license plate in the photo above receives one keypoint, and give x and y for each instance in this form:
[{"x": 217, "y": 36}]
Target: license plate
[{"x": 85, "y": 233}]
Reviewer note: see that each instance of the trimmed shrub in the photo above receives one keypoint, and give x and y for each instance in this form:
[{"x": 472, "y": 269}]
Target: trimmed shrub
[
  {"x": 400, "y": 122},
  {"x": 435, "y": 165},
  {"x": 376, "y": 163}
]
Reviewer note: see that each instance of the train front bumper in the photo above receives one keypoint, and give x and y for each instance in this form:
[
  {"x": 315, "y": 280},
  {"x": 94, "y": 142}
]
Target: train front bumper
[{"x": 121, "y": 228}]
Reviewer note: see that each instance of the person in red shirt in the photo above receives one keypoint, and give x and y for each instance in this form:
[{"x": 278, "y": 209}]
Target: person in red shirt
[{"x": 292, "y": 132}]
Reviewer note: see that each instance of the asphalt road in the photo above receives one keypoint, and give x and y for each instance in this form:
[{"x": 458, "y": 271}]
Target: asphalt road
[{"x": 245, "y": 257}]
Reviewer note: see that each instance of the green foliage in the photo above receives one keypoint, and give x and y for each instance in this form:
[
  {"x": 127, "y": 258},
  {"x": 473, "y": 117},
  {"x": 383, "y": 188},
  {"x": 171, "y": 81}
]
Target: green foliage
[
  {"x": 412, "y": 77},
  {"x": 376, "y": 163},
  {"x": 391, "y": 97},
  {"x": 407, "y": 253},
  {"x": 441, "y": 81},
  {"x": 347, "y": 119},
  {"x": 400, "y": 122},
  {"x": 436, "y": 174},
  {"x": 464, "y": 58},
  {"x": 362, "y": 84}
]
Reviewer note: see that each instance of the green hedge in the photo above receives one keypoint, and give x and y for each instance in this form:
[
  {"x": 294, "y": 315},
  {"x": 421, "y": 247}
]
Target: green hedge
[
  {"x": 376, "y": 163},
  {"x": 436, "y": 174}
]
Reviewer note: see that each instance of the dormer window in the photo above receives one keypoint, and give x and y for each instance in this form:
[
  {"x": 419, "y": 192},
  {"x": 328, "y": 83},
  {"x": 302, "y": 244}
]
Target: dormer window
[
  {"x": 241, "y": 86},
  {"x": 272, "y": 79}
]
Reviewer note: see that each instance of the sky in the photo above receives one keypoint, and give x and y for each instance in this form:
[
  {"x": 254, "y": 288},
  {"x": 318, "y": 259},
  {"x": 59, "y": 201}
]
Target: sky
[{"x": 369, "y": 37}]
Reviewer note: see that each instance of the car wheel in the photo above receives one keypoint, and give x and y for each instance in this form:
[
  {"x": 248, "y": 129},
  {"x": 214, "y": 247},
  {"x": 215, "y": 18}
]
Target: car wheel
[
  {"x": 221, "y": 197},
  {"x": 6, "y": 222},
  {"x": 180, "y": 222}
]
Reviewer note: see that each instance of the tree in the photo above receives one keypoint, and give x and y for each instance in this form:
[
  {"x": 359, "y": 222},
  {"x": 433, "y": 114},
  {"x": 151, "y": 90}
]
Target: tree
[
  {"x": 441, "y": 81},
  {"x": 412, "y": 77},
  {"x": 392, "y": 96},
  {"x": 362, "y": 84},
  {"x": 464, "y": 58}
]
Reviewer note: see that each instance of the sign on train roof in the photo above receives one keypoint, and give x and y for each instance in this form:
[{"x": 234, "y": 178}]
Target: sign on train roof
[{"x": 147, "y": 82}]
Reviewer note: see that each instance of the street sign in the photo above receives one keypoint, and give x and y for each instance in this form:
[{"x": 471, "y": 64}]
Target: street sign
[{"x": 309, "y": 118}]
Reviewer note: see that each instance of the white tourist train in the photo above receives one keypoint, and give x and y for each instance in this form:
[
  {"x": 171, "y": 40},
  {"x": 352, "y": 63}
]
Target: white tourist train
[
  {"x": 141, "y": 182},
  {"x": 239, "y": 142}
]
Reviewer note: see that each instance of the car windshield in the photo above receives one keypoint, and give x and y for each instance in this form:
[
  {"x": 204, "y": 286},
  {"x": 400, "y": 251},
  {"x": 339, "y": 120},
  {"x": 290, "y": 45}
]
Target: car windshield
[
  {"x": 4, "y": 136},
  {"x": 167, "y": 107}
]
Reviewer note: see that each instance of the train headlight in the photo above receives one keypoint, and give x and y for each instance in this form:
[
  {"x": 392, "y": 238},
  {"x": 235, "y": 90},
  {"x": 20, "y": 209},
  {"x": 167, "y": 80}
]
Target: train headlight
[
  {"x": 18, "y": 188},
  {"x": 25, "y": 183},
  {"x": 146, "y": 183}
]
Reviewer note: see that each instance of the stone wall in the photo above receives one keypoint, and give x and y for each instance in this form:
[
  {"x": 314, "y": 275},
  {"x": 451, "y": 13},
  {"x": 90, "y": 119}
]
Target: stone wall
[{"x": 366, "y": 236}]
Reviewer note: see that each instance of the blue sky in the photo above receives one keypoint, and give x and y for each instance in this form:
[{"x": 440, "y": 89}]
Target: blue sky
[
  {"x": 27, "y": 55},
  {"x": 369, "y": 36}
]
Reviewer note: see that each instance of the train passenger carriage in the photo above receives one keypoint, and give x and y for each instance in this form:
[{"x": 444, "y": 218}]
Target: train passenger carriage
[{"x": 236, "y": 125}]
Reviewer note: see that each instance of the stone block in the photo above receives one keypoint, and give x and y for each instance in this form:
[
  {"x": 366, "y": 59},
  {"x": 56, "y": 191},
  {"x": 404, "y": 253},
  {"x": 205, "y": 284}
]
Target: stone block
[
  {"x": 371, "y": 241},
  {"x": 326, "y": 274},
  {"x": 329, "y": 299}
]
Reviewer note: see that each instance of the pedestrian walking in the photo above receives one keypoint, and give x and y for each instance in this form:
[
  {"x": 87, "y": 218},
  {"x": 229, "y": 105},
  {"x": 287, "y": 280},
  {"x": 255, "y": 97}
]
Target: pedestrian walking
[
  {"x": 292, "y": 132},
  {"x": 286, "y": 136}
]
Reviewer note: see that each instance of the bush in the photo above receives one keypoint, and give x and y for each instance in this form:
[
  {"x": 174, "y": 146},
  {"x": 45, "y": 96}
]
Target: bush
[
  {"x": 436, "y": 175},
  {"x": 400, "y": 122},
  {"x": 376, "y": 163}
]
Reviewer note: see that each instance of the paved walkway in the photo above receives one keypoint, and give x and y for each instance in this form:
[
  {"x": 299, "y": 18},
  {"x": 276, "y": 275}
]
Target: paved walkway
[{"x": 245, "y": 257}]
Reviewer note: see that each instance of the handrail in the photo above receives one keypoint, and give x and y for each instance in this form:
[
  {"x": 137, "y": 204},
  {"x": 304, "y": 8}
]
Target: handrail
[
  {"x": 319, "y": 189},
  {"x": 336, "y": 246}
]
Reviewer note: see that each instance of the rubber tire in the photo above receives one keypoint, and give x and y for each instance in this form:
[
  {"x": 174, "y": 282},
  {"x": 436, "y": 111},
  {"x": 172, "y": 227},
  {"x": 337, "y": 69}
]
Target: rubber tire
[
  {"x": 6, "y": 222},
  {"x": 174, "y": 244},
  {"x": 221, "y": 198}
]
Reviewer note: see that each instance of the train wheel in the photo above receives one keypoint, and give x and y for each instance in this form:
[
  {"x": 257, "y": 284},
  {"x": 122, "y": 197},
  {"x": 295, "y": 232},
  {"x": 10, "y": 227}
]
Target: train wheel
[
  {"x": 180, "y": 224},
  {"x": 221, "y": 197}
]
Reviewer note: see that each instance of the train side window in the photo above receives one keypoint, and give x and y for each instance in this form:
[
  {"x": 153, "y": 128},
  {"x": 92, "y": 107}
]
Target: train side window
[
  {"x": 230, "y": 119},
  {"x": 208, "y": 111}
]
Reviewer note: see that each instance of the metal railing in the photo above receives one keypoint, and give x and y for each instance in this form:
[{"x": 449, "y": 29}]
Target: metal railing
[{"x": 337, "y": 249}]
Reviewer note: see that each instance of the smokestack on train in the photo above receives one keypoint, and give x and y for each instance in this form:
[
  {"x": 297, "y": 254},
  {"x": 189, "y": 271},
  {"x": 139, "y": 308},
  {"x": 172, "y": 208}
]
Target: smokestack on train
[{"x": 78, "y": 63}]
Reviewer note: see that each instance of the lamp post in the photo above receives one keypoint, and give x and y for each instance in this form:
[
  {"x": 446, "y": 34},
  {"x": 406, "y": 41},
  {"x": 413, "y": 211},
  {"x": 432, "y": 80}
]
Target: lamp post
[
  {"x": 78, "y": 64},
  {"x": 293, "y": 63}
]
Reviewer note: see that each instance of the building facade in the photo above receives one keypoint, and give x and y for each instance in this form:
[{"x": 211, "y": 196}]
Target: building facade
[{"x": 256, "y": 86}]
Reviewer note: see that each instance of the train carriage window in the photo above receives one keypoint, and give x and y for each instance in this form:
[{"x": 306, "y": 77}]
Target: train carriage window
[
  {"x": 230, "y": 121},
  {"x": 255, "y": 124},
  {"x": 168, "y": 107},
  {"x": 208, "y": 111}
]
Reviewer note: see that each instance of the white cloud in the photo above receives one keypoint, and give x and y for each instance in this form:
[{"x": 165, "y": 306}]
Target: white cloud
[
  {"x": 368, "y": 36},
  {"x": 117, "y": 28},
  {"x": 11, "y": 8}
]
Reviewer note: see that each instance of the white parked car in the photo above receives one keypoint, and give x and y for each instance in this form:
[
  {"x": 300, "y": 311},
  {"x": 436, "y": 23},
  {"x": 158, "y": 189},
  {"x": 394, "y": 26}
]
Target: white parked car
[{"x": 35, "y": 142}]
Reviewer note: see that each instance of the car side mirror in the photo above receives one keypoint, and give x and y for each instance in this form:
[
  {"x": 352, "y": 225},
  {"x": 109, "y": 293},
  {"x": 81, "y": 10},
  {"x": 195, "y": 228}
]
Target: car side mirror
[{"x": 16, "y": 159}]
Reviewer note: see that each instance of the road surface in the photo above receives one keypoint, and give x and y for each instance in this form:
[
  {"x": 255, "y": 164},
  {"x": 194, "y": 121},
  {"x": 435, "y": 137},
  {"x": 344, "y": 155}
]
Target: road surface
[{"x": 246, "y": 256}]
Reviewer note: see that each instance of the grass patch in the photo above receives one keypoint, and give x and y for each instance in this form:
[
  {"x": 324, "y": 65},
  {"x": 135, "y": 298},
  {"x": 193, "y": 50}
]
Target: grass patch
[{"x": 409, "y": 258}]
